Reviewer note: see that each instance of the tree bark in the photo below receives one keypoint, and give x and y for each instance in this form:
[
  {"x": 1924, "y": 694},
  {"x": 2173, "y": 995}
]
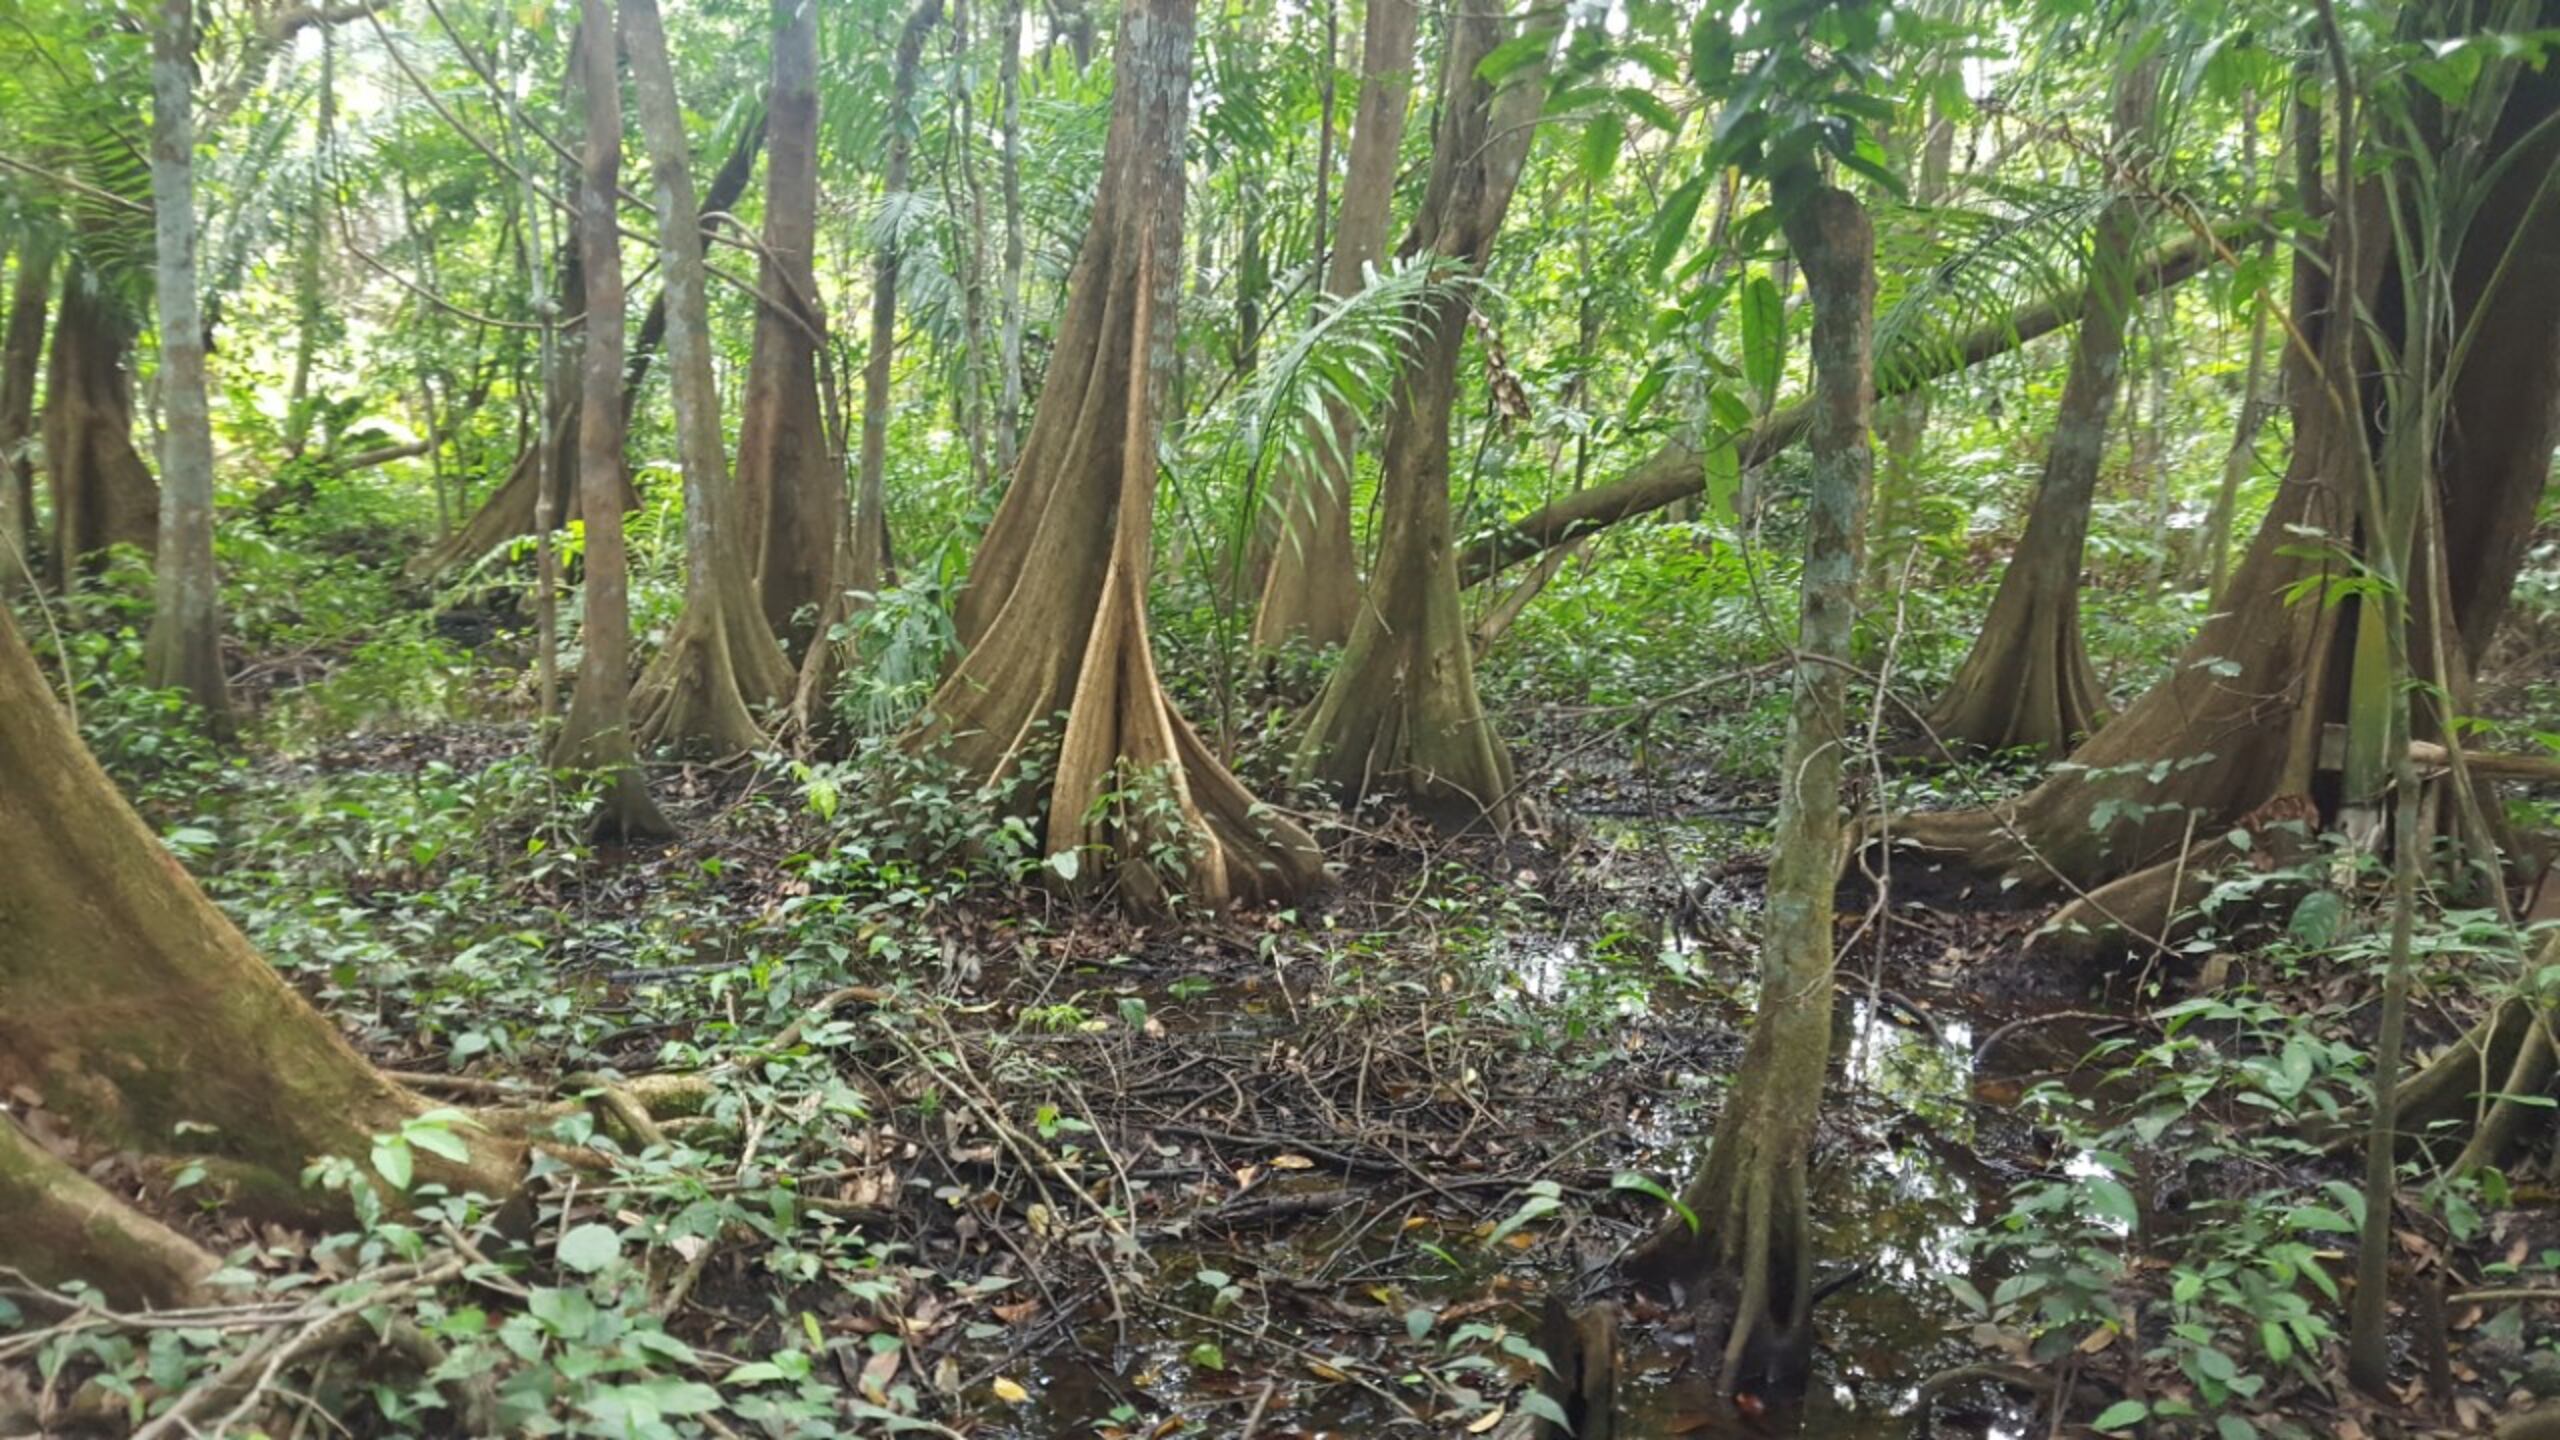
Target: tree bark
[
  {"x": 1311, "y": 588},
  {"x": 722, "y": 658},
  {"x": 1400, "y": 713},
  {"x": 1009, "y": 298},
  {"x": 103, "y": 495},
  {"x": 134, "y": 1011},
  {"x": 1137, "y": 797},
  {"x": 183, "y": 650},
  {"x": 1677, "y": 470},
  {"x": 783, "y": 474},
  {"x": 21, "y": 360},
  {"x": 2027, "y": 683},
  {"x": 1751, "y": 1257},
  {"x": 596, "y": 733},
  {"x": 864, "y": 565}
]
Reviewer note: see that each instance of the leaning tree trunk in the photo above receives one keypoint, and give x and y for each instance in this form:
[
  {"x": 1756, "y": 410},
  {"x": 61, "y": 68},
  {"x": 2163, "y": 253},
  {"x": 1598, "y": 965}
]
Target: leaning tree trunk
[
  {"x": 2027, "y": 683},
  {"x": 782, "y": 443},
  {"x": 722, "y": 658},
  {"x": 1136, "y": 794},
  {"x": 136, "y": 1016},
  {"x": 1400, "y": 713},
  {"x": 510, "y": 510},
  {"x": 103, "y": 495},
  {"x": 1311, "y": 590},
  {"x": 21, "y": 360},
  {"x": 863, "y": 565},
  {"x": 2238, "y": 719},
  {"x": 596, "y": 736},
  {"x": 183, "y": 650},
  {"x": 1749, "y": 1262}
]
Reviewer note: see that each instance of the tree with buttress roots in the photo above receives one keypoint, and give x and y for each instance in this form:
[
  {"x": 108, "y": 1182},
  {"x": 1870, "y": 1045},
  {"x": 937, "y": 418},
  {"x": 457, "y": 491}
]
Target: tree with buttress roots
[
  {"x": 1055, "y": 609},
  {"x": 137, "y": 1018},
  {"x": 1400, "y": 715},
  {"x": 722, "y": 660},
  {"x": 2238, "y": 728},
  {"x": 2027, "y": 682}
]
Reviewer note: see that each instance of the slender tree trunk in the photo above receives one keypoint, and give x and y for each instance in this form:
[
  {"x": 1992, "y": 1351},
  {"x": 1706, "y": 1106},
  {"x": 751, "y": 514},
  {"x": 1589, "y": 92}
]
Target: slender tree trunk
[
  {"x": 1311, "y": 588},
  {"x": 864, "y": 565},
  {"x": 103, "y": 495},
  {"x": 722, "y": 658},
  {"x": 782, "y": 444},
  {"x": 596, "y": 735},
  {"x": 1905, "y": 420},
  {"x": 183, "y": 650},
  {"x": 1749, "y": 1263},
  {"x": 310, "y": 308},
  {"x": 1009, "y": 300},
  {"x": 21, "y": 361},
  {"x": 2027, "y": 682},
  {"x": 134, "y": 1013},
  {"x": 1400, "y": 714},
  {"x": 961, "y": 157},
  {"x": 1136, "y": 797},
  {"x": 2254, "y": 409}
]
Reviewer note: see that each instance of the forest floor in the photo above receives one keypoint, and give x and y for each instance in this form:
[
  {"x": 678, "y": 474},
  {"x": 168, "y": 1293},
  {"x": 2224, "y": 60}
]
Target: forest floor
[{"x": 1034, "y": 1169}]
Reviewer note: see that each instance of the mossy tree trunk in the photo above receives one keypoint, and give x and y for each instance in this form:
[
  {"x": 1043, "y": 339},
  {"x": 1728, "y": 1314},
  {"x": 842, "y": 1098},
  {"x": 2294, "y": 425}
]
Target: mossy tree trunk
[
  {"x": 1311, "y": 588},
  {"x": 794, "y": 497},
  {"x": 1749, "y": 1263},
  {"x": 21, "y": 368},
  {"x": 2238, "y": 719},
  {"x": 2027, "y": 682},
  {"x": 183, "y": 650},
  {"x": 103, "y": 495},
  {"x": 722, "y": 660},
  {"x": 1062, "y": 625},
  {"x": 596, "y": 733},
  {"x": 136, "y": 1014},
  {"x": 1400, "y": 714}
]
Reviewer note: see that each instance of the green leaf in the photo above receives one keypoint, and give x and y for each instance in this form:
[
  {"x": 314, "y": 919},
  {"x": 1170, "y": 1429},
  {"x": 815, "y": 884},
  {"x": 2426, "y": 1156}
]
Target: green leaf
[
  {"x": 392, "y": 1159},
  {"x": 2317, "y": 1217},
  {"x": 1602, "y": 140},
  {"x": 1543, "y": 1405},
  {"x": 1723, "y": 488},
  {"x": 1764, "y": 338},
  {"x": 1649, "y": 107},
  {"x": 2122, "y": 1415},
  {"x": 1515, "y": 54},
  {"x": 590, "y": 1247},
  {"x": 2111, "y": 1200},
  {"x": 1646, "y": 1184},
  {"x": 1671, "y": 227},
  {"x": 1418, "y": 1321}
]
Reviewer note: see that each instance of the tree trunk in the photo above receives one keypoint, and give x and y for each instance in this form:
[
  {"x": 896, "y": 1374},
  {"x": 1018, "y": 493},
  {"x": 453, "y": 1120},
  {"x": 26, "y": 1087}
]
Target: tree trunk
[
  {"x": 103, "y": 495},
  {"x": 864, "y": 565},
  {"x": 1905, "y": 420},
  {"x": 21, "y": 357},
  {"x": 2027, "y": 683},
  {"x": 183, "y": 650},
  {"x": 508, "y": 512},
  {"x": 2238, "y": 718},
  {"x": 596, "y": 734},
  {"x": 132, "y": 1010},
  {"x": 1009, "y": 298},
  {"x": 2242, "y": 457},
  {"x": 1751, "y": 1257},
  {"x": 1136, "y": 794},
  {"x": 722, "y": 658},
  {"x": 782, "y": 443},
  {"x": 1400, "y": 713},
  {"x": 1311, "y": 588},
  {"x": 1677, "y": 470}
]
